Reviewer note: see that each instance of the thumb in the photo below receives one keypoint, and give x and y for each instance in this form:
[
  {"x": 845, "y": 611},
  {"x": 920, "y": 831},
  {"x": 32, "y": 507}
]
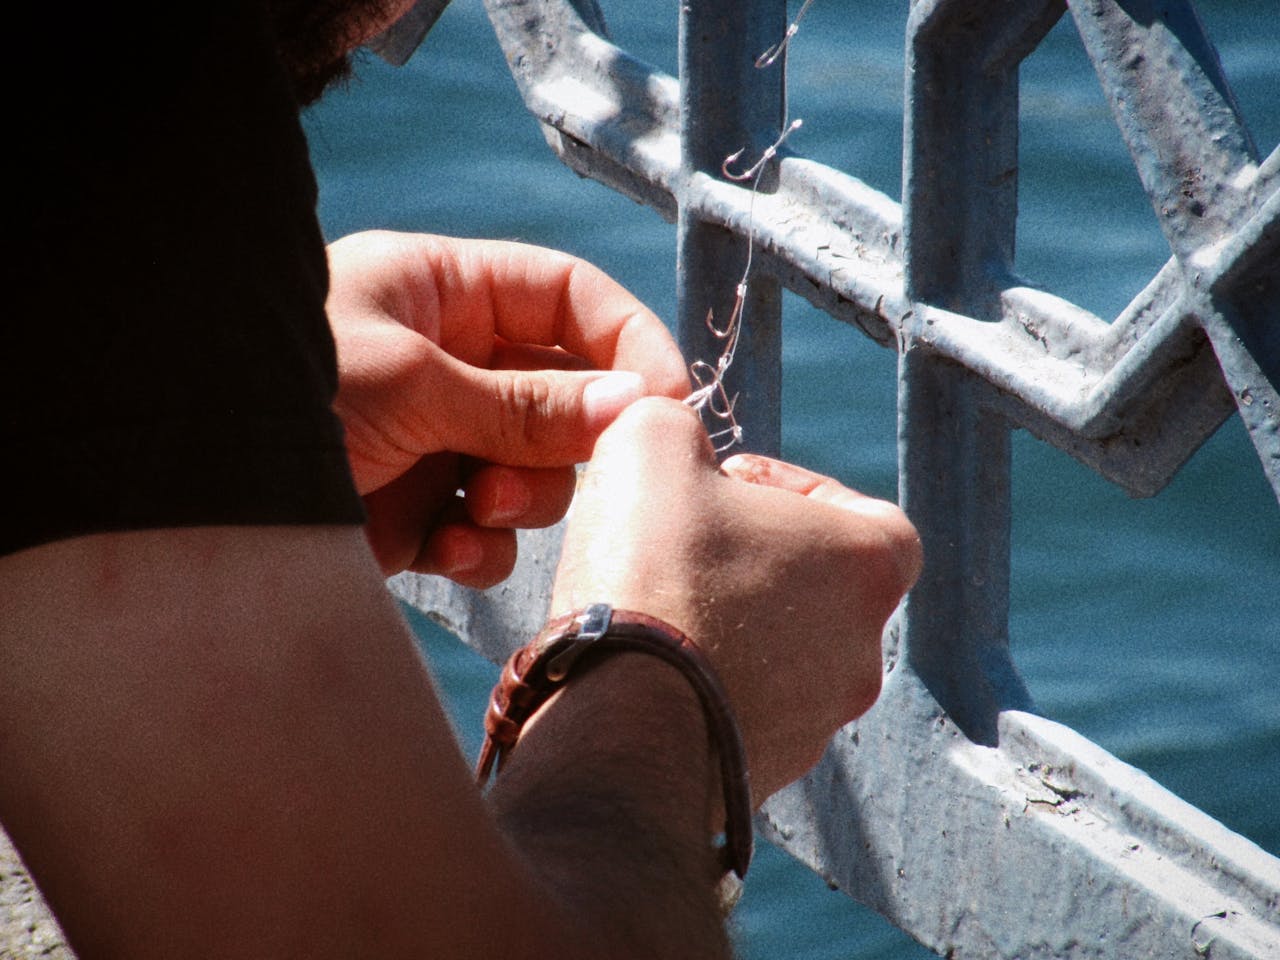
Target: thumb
[{"x": 532, "y": 418}]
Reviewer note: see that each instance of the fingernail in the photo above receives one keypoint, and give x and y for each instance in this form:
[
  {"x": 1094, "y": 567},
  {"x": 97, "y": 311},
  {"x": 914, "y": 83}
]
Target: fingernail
[
  {"x": 511, "y": 500},
  {"x": 461, "y": 552},
  {"x": 606, "y": 397}
]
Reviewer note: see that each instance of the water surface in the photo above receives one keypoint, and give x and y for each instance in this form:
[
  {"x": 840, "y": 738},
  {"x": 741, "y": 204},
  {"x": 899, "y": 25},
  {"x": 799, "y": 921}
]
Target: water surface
[{"x": 1151, "y": 626}]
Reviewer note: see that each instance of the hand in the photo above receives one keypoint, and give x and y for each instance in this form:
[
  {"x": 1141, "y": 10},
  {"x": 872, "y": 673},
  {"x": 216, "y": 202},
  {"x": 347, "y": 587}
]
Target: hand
[
  {"x": 474, "y": 365},
  {"x": 783, "y": 577}
]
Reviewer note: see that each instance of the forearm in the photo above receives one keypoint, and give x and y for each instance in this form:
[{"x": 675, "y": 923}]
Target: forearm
[
  {"x": 608, "y": 797},
  {"x": 221, "y": 742}
]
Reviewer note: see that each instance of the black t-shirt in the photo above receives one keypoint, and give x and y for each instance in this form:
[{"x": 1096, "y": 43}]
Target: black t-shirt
[{"x": 165, "y": 359}]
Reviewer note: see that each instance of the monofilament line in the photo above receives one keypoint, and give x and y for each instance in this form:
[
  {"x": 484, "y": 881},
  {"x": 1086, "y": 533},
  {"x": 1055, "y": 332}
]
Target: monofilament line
[{"x": 710, "y": 393}]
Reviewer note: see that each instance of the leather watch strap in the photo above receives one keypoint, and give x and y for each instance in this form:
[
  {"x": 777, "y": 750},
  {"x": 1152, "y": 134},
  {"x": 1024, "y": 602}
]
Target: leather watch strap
[{"x": 568, "y": 644}]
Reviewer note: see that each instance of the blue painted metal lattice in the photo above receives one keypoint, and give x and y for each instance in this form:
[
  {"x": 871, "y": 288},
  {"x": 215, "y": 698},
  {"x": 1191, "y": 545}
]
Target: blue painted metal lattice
[{"x": 980, "y": 353}]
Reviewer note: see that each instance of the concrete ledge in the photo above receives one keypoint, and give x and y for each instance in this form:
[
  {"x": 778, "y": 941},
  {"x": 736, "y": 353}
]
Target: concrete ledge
[{"x": 27, "y": 928}]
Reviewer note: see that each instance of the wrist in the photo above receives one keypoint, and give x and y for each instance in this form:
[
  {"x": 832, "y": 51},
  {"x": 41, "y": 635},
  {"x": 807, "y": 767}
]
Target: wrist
[
  {"x": 632, "y": 727},
  {"x": 570, "y": 646},
  {"x": 609, "y": 798}
]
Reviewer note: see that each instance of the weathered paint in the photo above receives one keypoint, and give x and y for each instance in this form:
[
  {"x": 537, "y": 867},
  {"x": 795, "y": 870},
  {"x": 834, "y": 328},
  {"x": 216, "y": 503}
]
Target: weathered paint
[{"x": 976, "y": 826}]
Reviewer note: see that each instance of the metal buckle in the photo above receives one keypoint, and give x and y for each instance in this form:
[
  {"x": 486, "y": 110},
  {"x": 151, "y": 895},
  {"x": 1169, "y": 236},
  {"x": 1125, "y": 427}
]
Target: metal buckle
[{"x": 593, "y": 623}]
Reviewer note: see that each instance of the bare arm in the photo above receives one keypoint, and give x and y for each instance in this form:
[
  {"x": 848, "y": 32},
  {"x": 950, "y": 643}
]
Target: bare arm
[
  {"x": 221, "y": 741},
  {"x": 274, "y": 777}
]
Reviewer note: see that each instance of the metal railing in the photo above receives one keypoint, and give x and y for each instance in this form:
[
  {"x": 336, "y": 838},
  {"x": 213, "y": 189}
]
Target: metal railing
[{"x": 979, "y": 354}]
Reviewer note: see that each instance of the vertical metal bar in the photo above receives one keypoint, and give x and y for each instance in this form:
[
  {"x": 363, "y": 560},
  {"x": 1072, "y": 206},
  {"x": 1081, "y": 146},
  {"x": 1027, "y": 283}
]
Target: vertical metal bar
[
  {"x": 960, "y": 185},
  {"x": 726, "y": 105},
  {"x": 954, "y": 463},
  {"x": 960, "y": 209},
  {"x": 867, "y": 818}
]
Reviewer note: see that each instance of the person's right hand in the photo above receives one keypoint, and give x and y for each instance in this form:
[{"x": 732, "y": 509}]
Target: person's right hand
[{"x": 783, "y": 577}]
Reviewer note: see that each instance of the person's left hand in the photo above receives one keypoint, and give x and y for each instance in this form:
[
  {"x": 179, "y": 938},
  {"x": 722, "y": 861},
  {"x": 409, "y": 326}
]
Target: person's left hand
[{"x": 474, "y": 366}]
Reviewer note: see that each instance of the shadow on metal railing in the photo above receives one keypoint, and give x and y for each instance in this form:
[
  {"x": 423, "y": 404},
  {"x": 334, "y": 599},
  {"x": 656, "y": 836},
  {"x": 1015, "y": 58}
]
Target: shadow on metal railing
[{"x": 980, "y": 353}]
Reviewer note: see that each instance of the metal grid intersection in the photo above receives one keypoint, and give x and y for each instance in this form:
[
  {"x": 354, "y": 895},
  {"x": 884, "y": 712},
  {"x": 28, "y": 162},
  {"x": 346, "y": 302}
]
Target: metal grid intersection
[{"x": 979, "y": 353}]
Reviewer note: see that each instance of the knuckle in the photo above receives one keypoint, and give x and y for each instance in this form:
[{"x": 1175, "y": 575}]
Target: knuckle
[
  {"x": 527, "y": 405},
  {"x": 881, "y": 553},
  {"x": 903, "y": 544},
  {"x": 897, "y": 546},
  {"x": 865, "y": 689},
  {"x": 907, "y": 550},
  {"x": 661, "y": 419}
]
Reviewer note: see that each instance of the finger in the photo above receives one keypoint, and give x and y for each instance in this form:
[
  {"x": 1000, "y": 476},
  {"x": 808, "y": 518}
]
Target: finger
[
  {"x": 654, "y": 463},
  {"x": 769, "y": 472},
  {"x": 400, "y": 513},
  {"x": 521, "y": 497},
  {"x": 652, "y": 437},
  {"x": 384, "y": 273},
  {"x": 459, "y": 293},
  {"x": 887, "y": 524},
  {"x": 472, "y": 556},
  {"x": 538, "y": 418},
  {"x": 523, "y": 356},
  {"x": 546, "y": 298}
]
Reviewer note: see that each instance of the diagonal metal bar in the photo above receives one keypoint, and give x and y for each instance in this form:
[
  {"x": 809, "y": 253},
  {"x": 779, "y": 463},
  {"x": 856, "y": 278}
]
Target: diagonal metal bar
[
  {"x": 1199, "y": 166},
  {"x": 979, "y": 352},
  {"x": 1176, "y": 112},
  {"x": 1243, "y": 322},
  {"x": 1132, "y": 399}
]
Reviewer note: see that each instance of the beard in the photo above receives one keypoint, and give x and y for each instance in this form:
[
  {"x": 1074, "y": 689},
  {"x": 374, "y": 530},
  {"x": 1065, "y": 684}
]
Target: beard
[{"x": 314, "y": 39}]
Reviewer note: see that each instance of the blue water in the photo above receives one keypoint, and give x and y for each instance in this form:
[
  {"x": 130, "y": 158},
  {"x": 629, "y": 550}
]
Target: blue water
[{"x": 1152, "y": 626}]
